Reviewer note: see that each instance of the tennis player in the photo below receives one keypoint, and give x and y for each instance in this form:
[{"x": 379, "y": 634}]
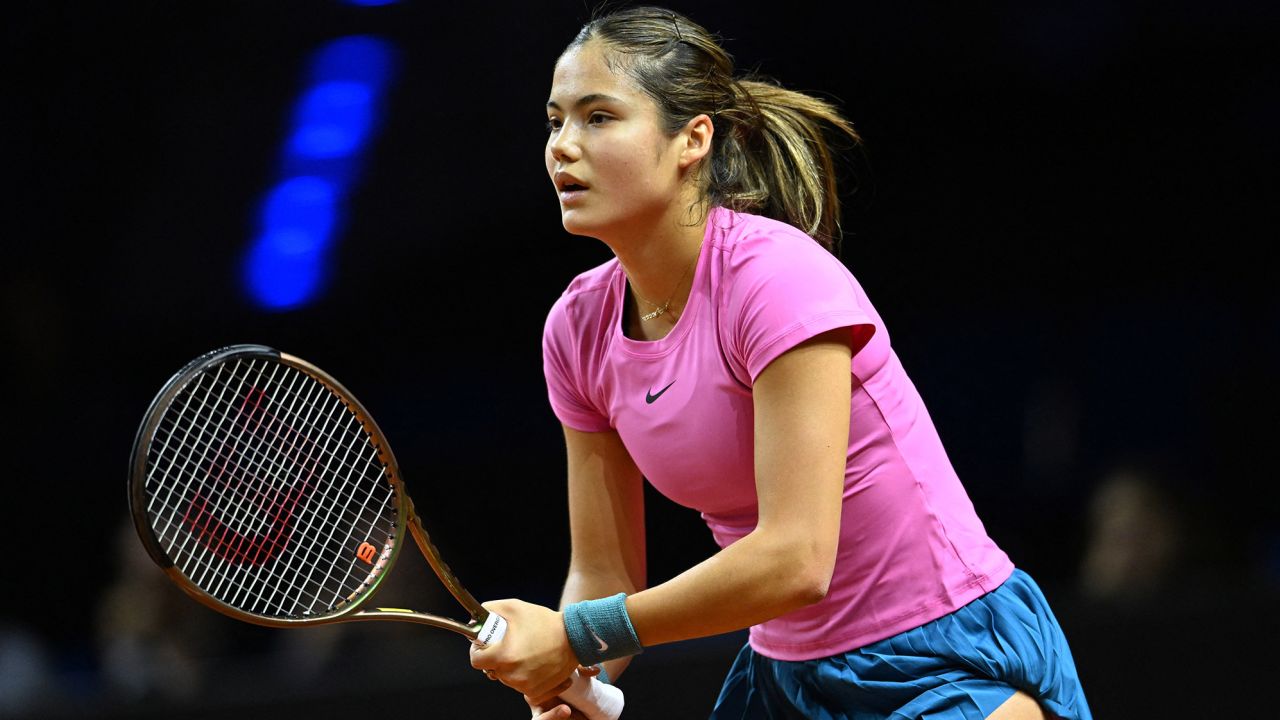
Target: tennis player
[{"x": 726, "y": 355}]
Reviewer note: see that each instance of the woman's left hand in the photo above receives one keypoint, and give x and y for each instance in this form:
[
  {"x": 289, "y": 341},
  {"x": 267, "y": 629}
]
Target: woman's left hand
[
  {"x": 534, "y": 656},
  {"x": 560, "y": 712}
]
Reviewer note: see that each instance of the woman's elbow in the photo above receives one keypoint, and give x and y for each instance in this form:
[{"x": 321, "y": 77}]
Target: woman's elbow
[
  {"x": 813, "y": 583},
  {"x": 812, "y": 576},
  {"x": 803, "y": 565}
]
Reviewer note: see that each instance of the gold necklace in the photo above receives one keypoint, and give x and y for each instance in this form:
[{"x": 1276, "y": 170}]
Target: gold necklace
[{"x": 663, "y": 307}]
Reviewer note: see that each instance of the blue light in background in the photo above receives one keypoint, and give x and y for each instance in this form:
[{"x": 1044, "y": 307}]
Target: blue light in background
[
  {"x": 332, "y": 122},
  {"x": 283, "y": 270},
  {"x": 307, "y": 205},
  {"x": 371, "y": 3},
  {"x": 360, "y": 59},
  {"x": 284, "y": 267}
]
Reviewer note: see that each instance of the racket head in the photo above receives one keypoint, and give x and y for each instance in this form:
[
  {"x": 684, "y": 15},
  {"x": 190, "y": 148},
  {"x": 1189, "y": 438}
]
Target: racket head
[{"x": 265, "y": 490}]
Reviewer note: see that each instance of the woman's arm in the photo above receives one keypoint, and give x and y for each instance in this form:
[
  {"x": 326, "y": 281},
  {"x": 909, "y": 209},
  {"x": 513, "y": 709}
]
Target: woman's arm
[
  {"x": 606, "y": 522},
  {"x": 801, "y": 438}
]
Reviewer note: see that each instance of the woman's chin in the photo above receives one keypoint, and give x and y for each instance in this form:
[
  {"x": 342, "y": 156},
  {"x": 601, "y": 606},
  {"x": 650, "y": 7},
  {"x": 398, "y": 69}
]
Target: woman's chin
[{"x": 575, "y": 225}]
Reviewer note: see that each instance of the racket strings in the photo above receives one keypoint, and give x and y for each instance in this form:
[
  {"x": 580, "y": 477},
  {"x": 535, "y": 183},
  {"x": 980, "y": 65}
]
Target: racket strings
[
  {"x": 274, "y": 512},
  {"x": 311, "y": 573},
  {"x": 293, "y": 569},
  {"x": 219, "y": 455},
  {"x": 201, "y": 562},
  {"x": 278, "y": 505},
  {"x": 261, "y": 483},
  {"x": 236, "y": 495},
  {"x": 252, "y": 459}
]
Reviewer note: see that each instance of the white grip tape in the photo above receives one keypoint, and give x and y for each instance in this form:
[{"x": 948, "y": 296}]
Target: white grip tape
[
  {"x": 494, "y": 627},
  {"x": 594, "y": 699}
]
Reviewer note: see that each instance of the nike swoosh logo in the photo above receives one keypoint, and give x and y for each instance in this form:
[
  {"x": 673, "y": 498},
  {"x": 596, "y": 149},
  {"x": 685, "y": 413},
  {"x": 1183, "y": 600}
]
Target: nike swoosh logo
[
  {"x": 603, "y": 645},
  {"x": 650, "y": 396}
]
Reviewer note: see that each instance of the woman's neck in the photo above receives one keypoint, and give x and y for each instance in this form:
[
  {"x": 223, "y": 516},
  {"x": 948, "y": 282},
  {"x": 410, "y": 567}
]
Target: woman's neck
[{"x": 658, "y": 261}]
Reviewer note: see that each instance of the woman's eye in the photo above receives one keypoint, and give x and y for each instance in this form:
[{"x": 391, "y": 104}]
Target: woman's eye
[
  {"x": 553, "y": 125},
  {"x": 597, "y": 118}
]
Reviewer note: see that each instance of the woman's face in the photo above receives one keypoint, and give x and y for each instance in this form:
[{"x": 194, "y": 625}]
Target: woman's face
[{"x": 613, "y": 165}]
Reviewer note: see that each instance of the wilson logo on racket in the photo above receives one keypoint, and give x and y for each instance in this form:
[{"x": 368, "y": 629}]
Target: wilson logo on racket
[
  {"x": 236, "y": 492},
  {"x": 367, "y": 552}
]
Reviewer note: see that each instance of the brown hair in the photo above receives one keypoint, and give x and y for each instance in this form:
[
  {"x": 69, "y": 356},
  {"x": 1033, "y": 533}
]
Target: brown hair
[{"x": 771, "y": 154}]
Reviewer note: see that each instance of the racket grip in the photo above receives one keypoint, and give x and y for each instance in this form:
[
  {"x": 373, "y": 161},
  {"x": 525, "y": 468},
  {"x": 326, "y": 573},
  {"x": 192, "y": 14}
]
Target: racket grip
[
  {"x": 492, "y": 631},
  {"x": 594, "y": 699}
]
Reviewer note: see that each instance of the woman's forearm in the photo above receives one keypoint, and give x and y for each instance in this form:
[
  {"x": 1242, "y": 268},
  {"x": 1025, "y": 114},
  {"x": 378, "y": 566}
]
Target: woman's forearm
[
  {"x": 758, "y": 578},
  {"x": 583, "y": 584}
]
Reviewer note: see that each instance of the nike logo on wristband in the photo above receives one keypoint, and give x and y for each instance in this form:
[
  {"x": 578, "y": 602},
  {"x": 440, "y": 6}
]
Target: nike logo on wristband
[
  {"x": 604, "y": 646},
  {"x": 650, "y": 396}
]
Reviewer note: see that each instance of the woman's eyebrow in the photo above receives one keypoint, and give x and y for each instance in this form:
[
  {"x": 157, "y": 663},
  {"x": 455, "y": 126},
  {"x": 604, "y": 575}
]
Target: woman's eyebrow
[{"x": 586, "y": 99}]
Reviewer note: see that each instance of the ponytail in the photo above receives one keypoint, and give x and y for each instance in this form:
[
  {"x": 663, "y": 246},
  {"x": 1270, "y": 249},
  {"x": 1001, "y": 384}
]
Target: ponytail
[
  {"x": 776, "y": 160},
  {"x": 771, "y": 155}
]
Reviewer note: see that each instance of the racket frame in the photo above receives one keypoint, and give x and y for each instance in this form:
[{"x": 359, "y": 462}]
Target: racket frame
[{"x": 354, "y": 609}]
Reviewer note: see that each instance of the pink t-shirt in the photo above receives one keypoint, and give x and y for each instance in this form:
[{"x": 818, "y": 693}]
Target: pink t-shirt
[{"x": 911, "y": 547}]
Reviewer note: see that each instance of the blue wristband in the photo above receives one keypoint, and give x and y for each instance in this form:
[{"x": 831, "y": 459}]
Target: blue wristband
[{"x": 600, "y": 630}]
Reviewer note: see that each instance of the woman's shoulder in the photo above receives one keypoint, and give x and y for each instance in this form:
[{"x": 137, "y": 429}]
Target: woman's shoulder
[
  {"x": 735, "y": 227},
  {"x": 595, "y": 279},
  {"x": 753, "y": 243},
  {"x": 586, "y": 295},
  {"x": 743, "y": 233},
  {"x": 589, "y": 286}
]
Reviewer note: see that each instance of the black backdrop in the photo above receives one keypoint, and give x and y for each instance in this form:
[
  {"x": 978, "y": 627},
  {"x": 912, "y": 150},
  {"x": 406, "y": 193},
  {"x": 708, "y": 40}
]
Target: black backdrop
[{"x": 1057, "y": 210}]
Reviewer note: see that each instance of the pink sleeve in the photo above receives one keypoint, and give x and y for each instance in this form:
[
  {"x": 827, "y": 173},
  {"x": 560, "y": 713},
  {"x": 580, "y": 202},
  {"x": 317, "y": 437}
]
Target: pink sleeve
[
  {"x": 785, "y": 290},
  {"x": 564, "y": 365}
]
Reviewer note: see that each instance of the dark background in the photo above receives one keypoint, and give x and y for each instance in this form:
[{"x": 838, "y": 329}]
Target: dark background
[{"x": 1061, "y": 210}]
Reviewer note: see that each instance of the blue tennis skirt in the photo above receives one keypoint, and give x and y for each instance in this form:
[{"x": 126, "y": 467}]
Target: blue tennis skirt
[{"x": 961, "y": 666}]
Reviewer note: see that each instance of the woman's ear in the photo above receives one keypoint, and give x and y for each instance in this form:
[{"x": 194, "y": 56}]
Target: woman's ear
[{"x": 697, "y": 135}]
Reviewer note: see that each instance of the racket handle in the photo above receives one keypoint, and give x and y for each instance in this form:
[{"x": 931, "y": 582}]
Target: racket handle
[
  {"x": 594, "y": 699},
  {"x": 492, "y": 631}
]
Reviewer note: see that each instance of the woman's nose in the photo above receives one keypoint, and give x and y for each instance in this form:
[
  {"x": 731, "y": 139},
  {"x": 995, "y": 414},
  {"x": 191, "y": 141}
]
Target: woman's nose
[{"x": 563, "y": 144}]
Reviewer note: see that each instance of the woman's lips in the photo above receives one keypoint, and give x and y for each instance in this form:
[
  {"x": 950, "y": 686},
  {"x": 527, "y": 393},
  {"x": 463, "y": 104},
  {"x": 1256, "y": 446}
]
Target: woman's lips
[
  {"x": 570, "y": 188},
  {"x": 571, "y": 194}
]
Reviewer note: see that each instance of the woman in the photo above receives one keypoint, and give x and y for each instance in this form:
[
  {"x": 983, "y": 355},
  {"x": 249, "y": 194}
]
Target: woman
[{"x": 729, "y": 358}]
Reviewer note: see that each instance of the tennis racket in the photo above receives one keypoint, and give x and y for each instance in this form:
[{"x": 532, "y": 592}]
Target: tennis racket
[{"x": 266, "y": 491}]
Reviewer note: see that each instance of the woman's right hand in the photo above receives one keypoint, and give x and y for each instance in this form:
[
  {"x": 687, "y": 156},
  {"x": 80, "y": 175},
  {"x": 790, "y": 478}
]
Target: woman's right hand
[{"x": 552, "y": 707}]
